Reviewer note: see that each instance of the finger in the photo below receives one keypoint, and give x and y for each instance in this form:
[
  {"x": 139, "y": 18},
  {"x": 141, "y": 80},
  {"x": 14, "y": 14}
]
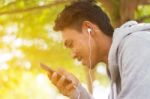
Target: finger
[
  {"x": 49, "y": 75},
  {"x": 68, "y": 76},
  {"x": 70, "y": 87},
  {"x": 66, "y": 92},
  {"x": 61, "y": 82},
  {"x": 61, "y": 71},
  {"x": 54, "y": 78}
]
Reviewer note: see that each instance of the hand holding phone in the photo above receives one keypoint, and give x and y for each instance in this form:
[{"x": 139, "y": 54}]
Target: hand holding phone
[
  {"x": 51, "y": 72},
  {"x": 64, "y": 81}
]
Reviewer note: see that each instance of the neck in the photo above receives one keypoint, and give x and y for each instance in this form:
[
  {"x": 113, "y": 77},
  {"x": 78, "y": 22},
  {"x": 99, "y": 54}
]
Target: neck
[
  {"x": 104, "y": 44},
  {"x": 108, "y": 45}
]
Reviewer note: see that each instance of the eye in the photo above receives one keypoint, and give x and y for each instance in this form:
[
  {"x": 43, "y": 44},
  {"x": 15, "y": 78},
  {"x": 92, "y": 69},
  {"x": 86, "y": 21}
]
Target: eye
[{"x": 69, "y": 43}]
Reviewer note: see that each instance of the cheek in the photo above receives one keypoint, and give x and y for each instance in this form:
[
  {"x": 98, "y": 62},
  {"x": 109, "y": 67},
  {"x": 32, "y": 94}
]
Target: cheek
[
  {"x": 95, "y": 53},
  {"x": 79, "y": 48},
  {"x": 87, "y": 54},
  {"x": 83, "y": 51},
  {"x": 82, "y": 46}
]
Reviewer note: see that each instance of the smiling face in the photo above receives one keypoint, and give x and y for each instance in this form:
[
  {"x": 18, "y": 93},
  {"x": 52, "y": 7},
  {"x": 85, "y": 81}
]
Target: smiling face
[
  {"x": 78, "y": 42},
  {"x": 74, "y": 22}
]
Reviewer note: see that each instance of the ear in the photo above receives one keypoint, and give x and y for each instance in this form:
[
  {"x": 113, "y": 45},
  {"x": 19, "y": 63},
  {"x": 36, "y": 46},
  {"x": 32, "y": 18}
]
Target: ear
[{"x": 86, "y": 25}]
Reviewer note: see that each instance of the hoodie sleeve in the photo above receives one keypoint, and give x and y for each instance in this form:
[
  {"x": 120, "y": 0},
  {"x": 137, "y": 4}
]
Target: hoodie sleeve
[
  {"x": 80, "y": 93},
  {"x": 134, "y": 66}
]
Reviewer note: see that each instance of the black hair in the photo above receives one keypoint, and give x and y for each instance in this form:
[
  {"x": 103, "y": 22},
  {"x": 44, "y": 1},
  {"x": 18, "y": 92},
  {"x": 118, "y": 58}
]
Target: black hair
[{"x": 73, "y": 16}]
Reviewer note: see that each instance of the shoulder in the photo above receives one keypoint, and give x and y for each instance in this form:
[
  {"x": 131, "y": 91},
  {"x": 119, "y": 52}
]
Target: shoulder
[
  {"x": 136, "y": 41},
  {"x": 134, "y": 49}
]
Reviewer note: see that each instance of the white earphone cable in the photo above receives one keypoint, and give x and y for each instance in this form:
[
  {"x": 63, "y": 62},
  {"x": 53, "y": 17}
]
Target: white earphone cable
[
  {"x": 90, "y": 56},
  {"x": 90, "y": 63}
]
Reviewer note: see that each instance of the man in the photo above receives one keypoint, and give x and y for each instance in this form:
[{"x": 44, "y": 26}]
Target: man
[{"x": 87, "y": 31}]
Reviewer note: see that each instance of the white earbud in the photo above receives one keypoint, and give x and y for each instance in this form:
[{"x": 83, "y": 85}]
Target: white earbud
[{"x": 89, "y": 30}]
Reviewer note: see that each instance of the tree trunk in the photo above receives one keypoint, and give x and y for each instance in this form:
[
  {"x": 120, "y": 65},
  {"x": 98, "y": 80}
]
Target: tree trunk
[{"x": 121, "y": 11}]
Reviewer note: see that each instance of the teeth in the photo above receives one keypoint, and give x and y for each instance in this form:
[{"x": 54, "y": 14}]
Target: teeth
[{"x": 77, "y": 62}]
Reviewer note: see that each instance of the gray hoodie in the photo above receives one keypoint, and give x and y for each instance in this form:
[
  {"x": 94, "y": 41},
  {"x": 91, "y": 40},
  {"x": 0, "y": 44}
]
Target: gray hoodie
[{"x": 129, "y": 62}]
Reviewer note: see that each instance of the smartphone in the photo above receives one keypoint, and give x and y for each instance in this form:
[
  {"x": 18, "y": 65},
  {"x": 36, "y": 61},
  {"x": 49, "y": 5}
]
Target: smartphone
[{"x": 47, "y": 68}]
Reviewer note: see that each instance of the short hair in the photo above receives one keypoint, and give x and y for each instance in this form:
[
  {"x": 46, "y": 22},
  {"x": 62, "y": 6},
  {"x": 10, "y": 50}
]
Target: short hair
[{"x": 75, "y": 14}]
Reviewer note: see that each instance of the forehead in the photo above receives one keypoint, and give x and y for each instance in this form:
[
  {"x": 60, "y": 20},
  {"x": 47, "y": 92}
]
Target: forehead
[{"x": 69, "y": 34}]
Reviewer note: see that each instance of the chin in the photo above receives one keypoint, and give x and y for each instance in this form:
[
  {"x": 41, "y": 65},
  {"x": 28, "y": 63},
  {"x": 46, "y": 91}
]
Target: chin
[
  {"x": 88, "y": 65},
  {"x": 92, "y": 66}
]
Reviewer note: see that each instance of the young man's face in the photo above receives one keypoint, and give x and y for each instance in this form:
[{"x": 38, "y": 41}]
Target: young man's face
[{"x": 78, "y": 42}]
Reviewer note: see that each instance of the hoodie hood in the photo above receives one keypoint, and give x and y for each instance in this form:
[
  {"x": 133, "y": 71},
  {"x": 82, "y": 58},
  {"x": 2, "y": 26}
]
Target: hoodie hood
[{"x": 119, "y": 34}]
